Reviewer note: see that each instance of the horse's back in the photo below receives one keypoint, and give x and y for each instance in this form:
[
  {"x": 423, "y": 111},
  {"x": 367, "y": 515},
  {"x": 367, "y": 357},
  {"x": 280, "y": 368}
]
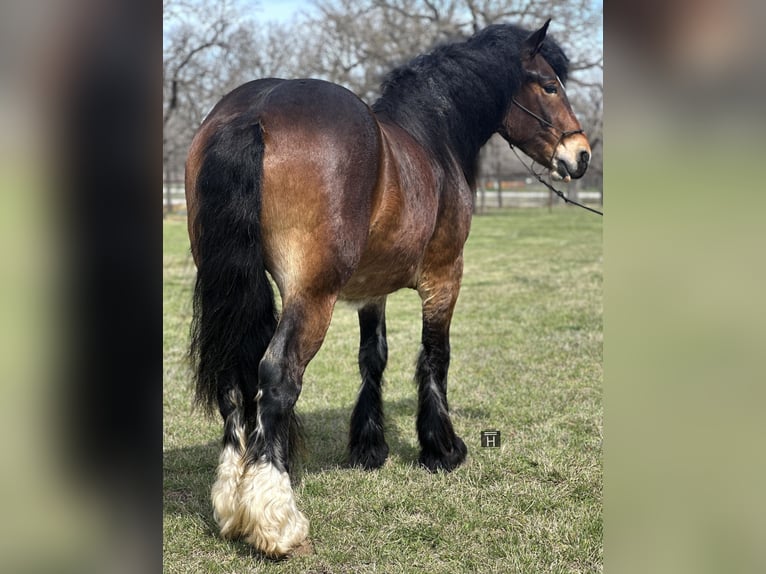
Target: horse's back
[{"x": 305, "y": 117}]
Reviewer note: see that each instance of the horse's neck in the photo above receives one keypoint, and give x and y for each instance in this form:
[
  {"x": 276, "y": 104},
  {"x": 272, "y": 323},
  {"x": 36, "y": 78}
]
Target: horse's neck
[
  {"x": 445, "y": 150},
  {"x": 419, "y": 172}
]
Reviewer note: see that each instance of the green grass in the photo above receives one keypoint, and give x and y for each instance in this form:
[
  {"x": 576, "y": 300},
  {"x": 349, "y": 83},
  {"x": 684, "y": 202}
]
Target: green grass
[{"x": 526, "y": 359}]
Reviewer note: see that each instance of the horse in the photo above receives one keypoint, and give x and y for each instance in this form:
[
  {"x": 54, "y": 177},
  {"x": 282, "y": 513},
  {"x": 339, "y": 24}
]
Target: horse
[{"x": 300, "y": 180}]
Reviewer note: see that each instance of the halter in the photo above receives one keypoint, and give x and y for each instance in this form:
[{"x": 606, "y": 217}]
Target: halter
[
  {"x": 564, "y": 134},
  {"x": 545, "y": 122}
]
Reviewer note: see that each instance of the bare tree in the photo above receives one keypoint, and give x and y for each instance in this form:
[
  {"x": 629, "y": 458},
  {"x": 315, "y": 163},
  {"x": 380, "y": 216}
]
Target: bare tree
[
  {"x": 195, "y": 33},
  {"x": 209, "y": 49},
  {"x": 590, "y": 105},
  {"x": 360, "y": 40}
]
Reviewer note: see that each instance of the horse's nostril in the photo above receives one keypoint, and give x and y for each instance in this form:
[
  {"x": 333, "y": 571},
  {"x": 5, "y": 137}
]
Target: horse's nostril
[{"x": 584, "y": 157}]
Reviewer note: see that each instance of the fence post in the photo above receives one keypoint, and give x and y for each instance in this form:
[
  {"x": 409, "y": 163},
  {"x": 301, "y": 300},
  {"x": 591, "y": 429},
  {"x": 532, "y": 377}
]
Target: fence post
[
  {"x": 168, "y": 195},
  {"x": 574, "y": 190}
]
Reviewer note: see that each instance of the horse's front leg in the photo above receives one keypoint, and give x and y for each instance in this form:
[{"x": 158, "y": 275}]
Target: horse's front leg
[{"x": 440, "y": 447}]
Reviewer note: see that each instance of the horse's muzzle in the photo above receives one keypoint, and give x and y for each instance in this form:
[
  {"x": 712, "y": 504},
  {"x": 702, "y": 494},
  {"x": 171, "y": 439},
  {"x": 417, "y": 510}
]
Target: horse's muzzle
[{"x": 571, "y": 159}]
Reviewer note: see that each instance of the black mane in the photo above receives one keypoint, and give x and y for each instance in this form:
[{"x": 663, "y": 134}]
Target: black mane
[{"x": 452, "y": 99}]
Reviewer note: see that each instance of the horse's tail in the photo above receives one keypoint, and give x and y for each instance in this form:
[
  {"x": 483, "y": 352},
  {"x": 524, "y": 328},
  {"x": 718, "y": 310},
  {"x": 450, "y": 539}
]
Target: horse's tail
[{"x": 234, "y": 312}]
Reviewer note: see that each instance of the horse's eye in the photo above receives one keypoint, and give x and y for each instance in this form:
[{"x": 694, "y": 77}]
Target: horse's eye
[{"x": 550, "y": 89}]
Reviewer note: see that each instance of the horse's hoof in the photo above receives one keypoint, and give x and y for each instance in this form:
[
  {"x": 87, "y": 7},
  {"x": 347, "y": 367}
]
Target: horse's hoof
[
  {"x": 369, "y": 458},
  {"x": 449, "y": 461},
  {"x": 269, "y": 519}
]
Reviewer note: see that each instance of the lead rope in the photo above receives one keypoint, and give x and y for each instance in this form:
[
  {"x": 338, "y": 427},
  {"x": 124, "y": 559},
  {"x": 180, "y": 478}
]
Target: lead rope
[
  {"x": 553, "y": 189},
  {"x": 537, "y": 175}
]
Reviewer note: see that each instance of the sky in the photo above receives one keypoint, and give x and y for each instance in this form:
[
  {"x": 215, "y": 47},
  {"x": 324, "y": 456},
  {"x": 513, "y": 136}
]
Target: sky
[{"x": 280, "y": 10}]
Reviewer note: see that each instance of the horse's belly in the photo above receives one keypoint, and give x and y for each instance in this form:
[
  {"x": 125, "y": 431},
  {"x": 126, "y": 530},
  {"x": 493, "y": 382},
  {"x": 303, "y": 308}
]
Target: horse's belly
[
  {"x": 377, "y": 279},
  {"x": 391, "y": 260}
]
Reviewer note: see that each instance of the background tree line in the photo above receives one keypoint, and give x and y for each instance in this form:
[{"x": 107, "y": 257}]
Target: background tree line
[{"x": 212, "y": 46}]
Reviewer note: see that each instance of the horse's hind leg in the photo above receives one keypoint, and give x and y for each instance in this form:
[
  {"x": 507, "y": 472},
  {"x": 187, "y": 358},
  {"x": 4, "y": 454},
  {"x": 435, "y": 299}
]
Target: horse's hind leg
[
  {"x": 441, "y": 448},
  {"x": 367, "y": 445},
  {"x": 230, "y": 463},
  {"x": 269, "y": 517}
]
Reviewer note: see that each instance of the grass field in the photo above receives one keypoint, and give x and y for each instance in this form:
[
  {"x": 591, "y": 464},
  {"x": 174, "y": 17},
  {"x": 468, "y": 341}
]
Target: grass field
[{"x": 526, "y": 360}]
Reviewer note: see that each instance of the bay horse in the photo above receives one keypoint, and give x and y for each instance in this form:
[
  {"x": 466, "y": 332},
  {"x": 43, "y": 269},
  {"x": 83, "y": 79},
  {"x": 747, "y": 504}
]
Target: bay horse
[{"x": 337, "y": 200}]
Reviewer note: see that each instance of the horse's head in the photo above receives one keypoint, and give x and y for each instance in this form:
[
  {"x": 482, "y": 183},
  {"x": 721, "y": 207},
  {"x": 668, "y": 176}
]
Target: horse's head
[{"x": 539, "y": 119}]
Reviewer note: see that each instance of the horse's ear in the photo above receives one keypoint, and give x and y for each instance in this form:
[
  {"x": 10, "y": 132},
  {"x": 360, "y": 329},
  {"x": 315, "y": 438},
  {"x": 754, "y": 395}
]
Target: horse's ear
[{"x": 535, "y": 40}]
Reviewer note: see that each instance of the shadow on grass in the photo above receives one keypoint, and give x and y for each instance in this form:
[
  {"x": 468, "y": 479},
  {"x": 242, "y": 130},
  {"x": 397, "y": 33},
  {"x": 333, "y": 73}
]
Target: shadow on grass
[{"x": 189, "y": 472}]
